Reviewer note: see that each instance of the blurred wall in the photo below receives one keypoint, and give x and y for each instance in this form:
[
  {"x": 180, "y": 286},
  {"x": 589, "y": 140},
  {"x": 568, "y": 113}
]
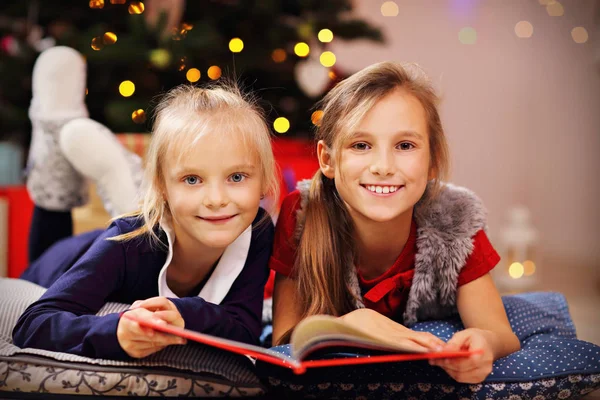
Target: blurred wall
[{"x": 522, "y": 115}]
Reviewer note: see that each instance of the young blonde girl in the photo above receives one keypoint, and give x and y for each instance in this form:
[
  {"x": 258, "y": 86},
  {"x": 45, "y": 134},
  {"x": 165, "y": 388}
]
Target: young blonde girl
[
  {"x": 195, "y": 255},
  {"x": 377, "y": 238}
]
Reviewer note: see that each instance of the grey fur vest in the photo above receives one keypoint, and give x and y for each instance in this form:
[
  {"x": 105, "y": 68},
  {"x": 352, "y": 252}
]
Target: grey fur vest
[{"x": 445, "y": 228}]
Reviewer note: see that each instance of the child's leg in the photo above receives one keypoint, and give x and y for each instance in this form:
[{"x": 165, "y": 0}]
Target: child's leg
[
  {"x": 94, "y": 151},
  {"x": 47, "y": 227}
]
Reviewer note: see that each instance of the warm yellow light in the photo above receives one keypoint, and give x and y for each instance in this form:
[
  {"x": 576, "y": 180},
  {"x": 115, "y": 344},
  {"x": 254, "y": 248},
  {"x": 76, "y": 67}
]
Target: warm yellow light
[
  {"x": 97, "y": 43},
  {"x": 529, "y": 267},
  {"x": 96, "y": 3},
  {"x": 316, "y": 117},
  {"x": 117, "y": 1},
  {"x": 332, "y": 75},
  {"x": 301, "y": 49},
  {"x": 579, "y": 34},
  {"x": 281, "y": 125},
  {"x": 516, "y": 270},
  {"x": 136, "y": 7},
  {"x": 86, "y": 91},
  {"x": 467, "y": 35},
  {"x": 327, "y": 59},
  {"x": 389, "y": 9},
  {"x": 138, "y": 116},
  {"x": 109, "y": 38},
  {"x": 214, "y": 72},
  {"x": 325, "y": 35},
  {"x": 279, "y": 55},
  {"x": 524, "y": 29},
  {"x": 187, "y": 27},
  {"x": 126, "y": 88},
  {"x": 193, "y": 75},
  {"x": 555, "y": 9},
  {"x": 236, "y": 45}
]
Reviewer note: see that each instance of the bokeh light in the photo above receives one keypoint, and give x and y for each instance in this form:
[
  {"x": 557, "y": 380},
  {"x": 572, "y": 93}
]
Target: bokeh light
[
  {"x": 579, "y": 34},
  {"x": 281, "y": 125},
  {"x": 236, "y": 45},
  {"x": 138, "y": 116},
  {"x": 136, "y": 7},
  {"x": 529, "y": 267},
  {"x": 327, "y": 59},
  {"x": 193, "y": 75},
  {"x": 97, "y": 43},
  {"x": 96, "y": 4},
  {"x": 325, "y": 35},
  {"x": 555, "y": 9},
  {"x": 516, "y": 270},
  {"x": 109, "y": 38},
  {"x": 214, "y": 72},
  {"x": 389, "y": 9},
  {"x": 316, "y": 117},
  {"x": 279, "y": 55},
  {"x": 126, "y": 88},
  {"x": 524, "y": 29},
  {"x": 301, "y": 49}
]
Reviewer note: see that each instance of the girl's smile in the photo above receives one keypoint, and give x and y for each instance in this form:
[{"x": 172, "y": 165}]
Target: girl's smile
[
  {"x": 219, "y": 219},
  {"x": 382, "y": 190}
]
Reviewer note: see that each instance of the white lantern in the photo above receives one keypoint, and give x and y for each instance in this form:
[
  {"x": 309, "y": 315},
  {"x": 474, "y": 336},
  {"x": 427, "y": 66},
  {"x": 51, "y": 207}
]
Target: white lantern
[{"x": 518, "y": 268}]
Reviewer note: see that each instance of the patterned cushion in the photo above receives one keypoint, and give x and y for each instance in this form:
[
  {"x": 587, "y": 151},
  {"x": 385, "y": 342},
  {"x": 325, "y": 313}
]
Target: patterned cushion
[
  {"x": 179, "y": 371},
  {"x": 552, "y": 363}
]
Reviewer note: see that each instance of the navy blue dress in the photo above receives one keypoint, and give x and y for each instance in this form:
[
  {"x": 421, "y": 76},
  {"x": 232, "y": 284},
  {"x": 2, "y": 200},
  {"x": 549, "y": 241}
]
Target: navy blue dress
[{"x": 84, "y": 272}]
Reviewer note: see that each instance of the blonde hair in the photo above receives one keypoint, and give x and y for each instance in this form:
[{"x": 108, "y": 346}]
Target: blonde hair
[
  {"x": 181, "y": 118},
  {"x": 325, "y": 250}
]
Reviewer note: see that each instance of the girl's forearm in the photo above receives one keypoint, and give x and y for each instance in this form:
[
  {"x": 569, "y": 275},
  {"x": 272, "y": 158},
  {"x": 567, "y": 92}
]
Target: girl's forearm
[{"x": 502, "y": 342}]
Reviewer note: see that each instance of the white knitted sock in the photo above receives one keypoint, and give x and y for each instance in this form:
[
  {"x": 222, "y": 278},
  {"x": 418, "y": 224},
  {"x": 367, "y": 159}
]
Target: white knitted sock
[{"x": 95, "y": 152}]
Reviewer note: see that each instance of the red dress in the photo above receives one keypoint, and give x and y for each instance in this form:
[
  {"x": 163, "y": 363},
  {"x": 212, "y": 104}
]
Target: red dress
[{"x": 387, "y": 293}]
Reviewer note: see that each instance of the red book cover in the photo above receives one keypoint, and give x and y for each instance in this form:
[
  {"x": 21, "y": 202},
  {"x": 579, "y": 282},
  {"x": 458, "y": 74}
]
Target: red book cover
[{"x": 314, "y": 333}]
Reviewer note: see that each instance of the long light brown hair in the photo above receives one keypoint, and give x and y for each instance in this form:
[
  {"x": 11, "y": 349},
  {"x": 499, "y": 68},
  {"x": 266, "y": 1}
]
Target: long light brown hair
[
  {"x": 326, "y": 248},
  {"x": 183, "y": 115}
]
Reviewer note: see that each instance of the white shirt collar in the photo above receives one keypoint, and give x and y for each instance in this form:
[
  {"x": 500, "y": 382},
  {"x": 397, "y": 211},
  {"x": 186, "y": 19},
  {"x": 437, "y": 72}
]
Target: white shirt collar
[{"x": 225, "y": 273}]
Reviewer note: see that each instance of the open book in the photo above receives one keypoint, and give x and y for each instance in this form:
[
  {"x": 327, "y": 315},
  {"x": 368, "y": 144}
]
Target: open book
[{"x": 312, "y": 335}]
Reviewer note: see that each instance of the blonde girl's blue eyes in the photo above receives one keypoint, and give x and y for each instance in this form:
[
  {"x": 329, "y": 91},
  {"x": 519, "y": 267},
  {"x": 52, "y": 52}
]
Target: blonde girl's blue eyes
[
  {"x": 191, "y": 180},
  {"x": 237, "y": 177}
]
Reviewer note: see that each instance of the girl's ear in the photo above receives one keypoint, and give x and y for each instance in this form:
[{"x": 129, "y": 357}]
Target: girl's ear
[{"x": 325, "y": 160}]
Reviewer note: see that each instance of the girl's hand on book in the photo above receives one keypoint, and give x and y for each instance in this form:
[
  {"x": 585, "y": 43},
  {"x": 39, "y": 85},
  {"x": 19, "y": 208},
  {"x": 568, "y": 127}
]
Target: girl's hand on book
[
  {"x": 163, "y": 308},
  {"x": 138, "y": 341},
  {"x": 473, "y": 369},
  {"x": 388, "y": 330}
]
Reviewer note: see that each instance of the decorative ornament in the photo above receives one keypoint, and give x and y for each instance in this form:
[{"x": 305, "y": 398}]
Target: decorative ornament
[
  {"x": 311, "y": 76},
  {"x": 517, "y": 246}
]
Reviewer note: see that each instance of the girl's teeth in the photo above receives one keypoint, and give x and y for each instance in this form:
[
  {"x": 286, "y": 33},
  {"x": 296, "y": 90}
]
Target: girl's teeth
[{"x": 382, "y": 189}]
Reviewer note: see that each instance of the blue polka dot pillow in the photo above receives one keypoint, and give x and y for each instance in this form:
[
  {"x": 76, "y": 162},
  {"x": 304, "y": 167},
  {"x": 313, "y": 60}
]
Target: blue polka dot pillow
[{"x": 552, "y": 363}]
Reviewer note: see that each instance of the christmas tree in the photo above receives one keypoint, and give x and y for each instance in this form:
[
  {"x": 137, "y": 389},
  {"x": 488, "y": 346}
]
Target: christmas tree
[{"x": 137, "y": 50}]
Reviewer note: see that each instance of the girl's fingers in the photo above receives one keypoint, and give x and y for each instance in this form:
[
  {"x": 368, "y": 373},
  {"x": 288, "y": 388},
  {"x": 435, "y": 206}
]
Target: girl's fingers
[
  {"x": 135, "y": 304},
  {"x": 413, "y": 346},
  {"x": 430, "y": 341},
  {"x": 156, "y": 304},
  {"x": 172, "y": 317}
]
